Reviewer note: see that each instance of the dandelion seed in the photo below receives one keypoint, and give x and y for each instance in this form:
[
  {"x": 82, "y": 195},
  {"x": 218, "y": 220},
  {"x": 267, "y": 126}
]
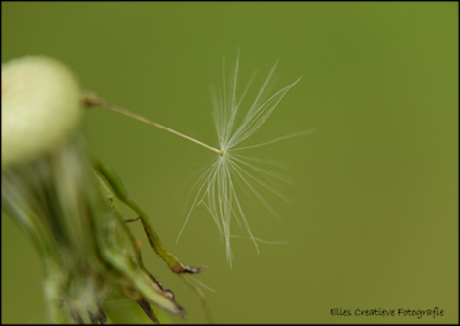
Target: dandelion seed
[{"x": 215, "y": 188}]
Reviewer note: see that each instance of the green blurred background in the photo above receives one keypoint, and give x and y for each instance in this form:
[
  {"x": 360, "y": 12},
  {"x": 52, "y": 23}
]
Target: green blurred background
[{"x": 374, "y": 215}]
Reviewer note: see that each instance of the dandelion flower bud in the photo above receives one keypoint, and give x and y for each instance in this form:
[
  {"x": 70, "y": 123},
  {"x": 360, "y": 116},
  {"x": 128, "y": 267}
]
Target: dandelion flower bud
[{"x": 51, "y": 189}]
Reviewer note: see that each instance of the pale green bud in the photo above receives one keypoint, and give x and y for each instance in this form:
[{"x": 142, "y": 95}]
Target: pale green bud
[{"x": 41, "y": 107}]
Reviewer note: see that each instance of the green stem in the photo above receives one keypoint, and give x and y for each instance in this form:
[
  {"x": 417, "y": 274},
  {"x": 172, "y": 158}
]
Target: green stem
[{"x": 91, "y": 99}]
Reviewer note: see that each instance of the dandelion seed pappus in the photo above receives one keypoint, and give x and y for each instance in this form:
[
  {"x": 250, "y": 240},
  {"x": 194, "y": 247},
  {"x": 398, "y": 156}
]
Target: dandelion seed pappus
[{"x": 215, "y": 188}]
